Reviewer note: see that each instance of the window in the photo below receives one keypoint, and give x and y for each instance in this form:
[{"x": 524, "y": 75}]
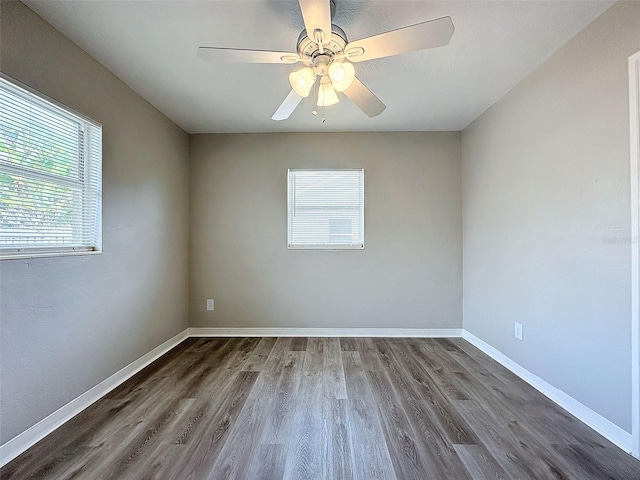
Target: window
[
  {"x": 326, "y": 209},
  {"x": 50, "y": 177}
]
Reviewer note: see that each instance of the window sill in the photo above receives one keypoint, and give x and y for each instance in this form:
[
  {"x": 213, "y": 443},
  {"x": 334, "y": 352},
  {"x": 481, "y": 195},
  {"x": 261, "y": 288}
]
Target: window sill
[
  {"x": 325, "y": 247},
  {"x": 23, "y": 256}
]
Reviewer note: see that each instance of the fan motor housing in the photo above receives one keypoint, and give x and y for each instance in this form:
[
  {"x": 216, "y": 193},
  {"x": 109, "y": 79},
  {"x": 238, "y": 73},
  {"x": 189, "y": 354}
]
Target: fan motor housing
[{"x": 309, "y": 49}]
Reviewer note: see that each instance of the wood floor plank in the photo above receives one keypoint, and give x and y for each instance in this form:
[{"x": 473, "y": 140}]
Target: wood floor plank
[
  {"x": 433, "y": 423},
  {"x": 600, "y": 463},
  {"x": 475, "y": 361},
  {"x": 439, "y": 367},
  {"x": 513, "y": 432},
  {"x": 332, "y": 371},
  {"x": 142, "y": 456},
  {"x": 553, "y": 424},
  {"x": 372, "y": 458},
  {"x": 160, "y": 458},
  {"x": 175, "y": 381},
  {"x": 405, "y": 388},
  {"x": 281, "y": 348},
  {"x": 299, "y": 344},
  {"x": 400, "y": 437},
  {"x": 339, "y": 453},
  {"x": 258, "y": 359},
  {"x": 245, "y": 435},
  {"x": 206, "y": 366},
  {"x": 169, "y": 367},
  {"x": 437, "y": 395},
  {"x": 349, "y": 344},
  {"x": 480, "y": 463},
  {"x": 268, "y": 463},
  {"x": 370, "y": 359},
  {"x": 282, "y": 408},
  {"x": 214, "y": 430},
  {"x": 517, "y": 452},
  {"x": 116, "y": 462},
  {"x": 235, "y": 455},
  {"x": 323, "y": 408},
  {"x": 308, "y": 438},
  {"x": 66, "y": 450},
  {"x": 433, "y": 448}
]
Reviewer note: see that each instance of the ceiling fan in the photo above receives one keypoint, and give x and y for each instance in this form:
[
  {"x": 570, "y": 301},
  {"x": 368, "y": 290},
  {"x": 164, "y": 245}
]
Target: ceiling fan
[{"x": 329, "y": 56}]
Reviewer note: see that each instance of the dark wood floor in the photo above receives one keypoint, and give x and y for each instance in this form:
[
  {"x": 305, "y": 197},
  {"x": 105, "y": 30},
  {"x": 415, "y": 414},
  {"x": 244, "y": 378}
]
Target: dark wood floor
[{"x": 324, "y": 408}]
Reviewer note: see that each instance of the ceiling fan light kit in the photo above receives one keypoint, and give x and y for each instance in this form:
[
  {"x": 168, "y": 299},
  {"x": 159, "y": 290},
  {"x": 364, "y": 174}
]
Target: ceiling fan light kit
[
  {"x": 326, "y": 93},
  {"x": 302, "y": 81},
  {"x": 341, "y": 75},
  {"x": 326, "y": 53}
]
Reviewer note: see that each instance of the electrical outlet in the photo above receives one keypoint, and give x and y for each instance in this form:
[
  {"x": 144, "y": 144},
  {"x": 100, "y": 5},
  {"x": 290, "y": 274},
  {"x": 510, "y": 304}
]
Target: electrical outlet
[
  {"x": 518, "y": 331},
  {"x": 210, "y": 304}
]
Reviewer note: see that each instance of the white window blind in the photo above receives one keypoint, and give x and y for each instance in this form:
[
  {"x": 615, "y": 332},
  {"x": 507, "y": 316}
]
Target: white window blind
[
  {"x": 50, "y": 176},
  {"x": 326, "y": 209}
]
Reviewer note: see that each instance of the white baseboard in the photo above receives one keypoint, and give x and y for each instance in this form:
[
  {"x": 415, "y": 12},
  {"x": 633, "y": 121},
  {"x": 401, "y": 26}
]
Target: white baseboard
[
  {"x": 37, "y": 432},
  {"x": 596, "y": 421},
  {"x": 44, "y": 427},
  {"x": 325, "y": 332}
]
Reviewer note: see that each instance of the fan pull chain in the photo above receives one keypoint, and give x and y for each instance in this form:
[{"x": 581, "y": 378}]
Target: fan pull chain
[
  {"x": 314, "y": 112},
  {"x": 323, "y": 117}
]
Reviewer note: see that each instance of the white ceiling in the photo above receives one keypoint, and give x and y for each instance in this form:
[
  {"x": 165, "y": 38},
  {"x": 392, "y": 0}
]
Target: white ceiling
[{"x": 151, "y": 46}]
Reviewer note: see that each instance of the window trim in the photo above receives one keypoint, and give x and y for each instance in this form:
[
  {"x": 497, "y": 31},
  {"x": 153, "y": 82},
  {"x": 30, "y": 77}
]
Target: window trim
[
  {"x": 322, "y": 246},
  {"x": 9, "y": 253}
]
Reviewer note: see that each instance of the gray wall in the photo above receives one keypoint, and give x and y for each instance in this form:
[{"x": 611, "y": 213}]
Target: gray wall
[
  {"x": 547, "y": 218},
  {"x": 70, "y": 322},
  {"x": 408, "y": 275}
]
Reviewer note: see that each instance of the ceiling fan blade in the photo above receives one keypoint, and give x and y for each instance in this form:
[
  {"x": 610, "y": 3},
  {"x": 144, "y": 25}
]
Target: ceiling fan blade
[
  {"x": 317, "y": 16},
  {"x": 431, "y": 34},
  {"x": 237, "y": 55},
  {"x": 287, "y": 107},
  {"x": 363, "y": 98}
]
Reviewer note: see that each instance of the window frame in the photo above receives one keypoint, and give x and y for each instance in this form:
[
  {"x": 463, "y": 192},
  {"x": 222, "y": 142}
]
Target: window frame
[
  {"x": 84, "y": 163},
  {"x": 336, "y": 247}
]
